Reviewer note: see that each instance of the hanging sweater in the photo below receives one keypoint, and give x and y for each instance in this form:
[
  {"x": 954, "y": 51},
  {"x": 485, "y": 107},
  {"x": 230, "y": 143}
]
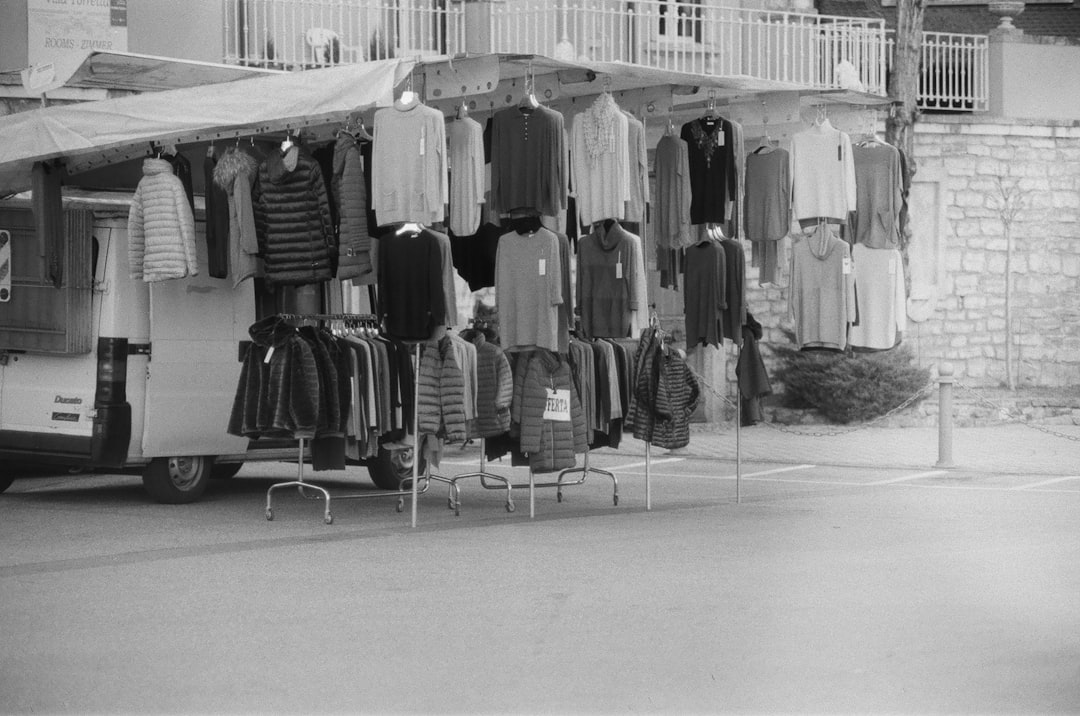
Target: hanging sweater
[
  {"x": 292, "y": 219},
  {"x": 606, "y": 276},
  {"x": 672, "y": 193},
  {"x": 465, "y": 138},
  {"x": 529, "y": 290},
  {"x": 705, "y": 293},
  {"x": 161, "y": 227},
  {"x": 713, "y": 174},
  {"x": 822, "y": 173},
  {"x": 821, "y": 301},
  {"x": 879, "y": 189},
  {"x": 528, "y": 161},
  {"x": 879, "y": 283},
  {"x": 409, "y": 180}
]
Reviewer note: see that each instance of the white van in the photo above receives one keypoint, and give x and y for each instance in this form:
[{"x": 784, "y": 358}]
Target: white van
[{"x": 109, "y": 372}]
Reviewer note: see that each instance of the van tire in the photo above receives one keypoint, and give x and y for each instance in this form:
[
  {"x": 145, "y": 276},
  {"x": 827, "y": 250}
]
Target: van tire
[
  {"x": 5, "y": 482},
  {"x": 390, "y": 467},
  {"x": 177, "y": 480}
]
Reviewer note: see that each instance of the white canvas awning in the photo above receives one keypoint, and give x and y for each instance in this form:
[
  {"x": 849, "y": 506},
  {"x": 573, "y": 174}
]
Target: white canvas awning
[{"x": 96, "y": 133}]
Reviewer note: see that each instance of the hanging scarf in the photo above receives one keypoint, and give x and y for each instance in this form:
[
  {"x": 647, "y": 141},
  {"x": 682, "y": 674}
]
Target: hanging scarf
[{"x": 599, "y": 126}]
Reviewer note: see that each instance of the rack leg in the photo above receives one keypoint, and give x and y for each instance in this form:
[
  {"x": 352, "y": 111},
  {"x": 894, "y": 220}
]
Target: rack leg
[
  {"x": 648, "y": 487},
  {"x": 532, "y": 494},
  {"x": 738, "y": 446}
]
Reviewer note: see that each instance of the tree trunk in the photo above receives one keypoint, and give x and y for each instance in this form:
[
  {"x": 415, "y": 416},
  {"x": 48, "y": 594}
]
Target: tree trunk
[{"x": 904, "y": 89}]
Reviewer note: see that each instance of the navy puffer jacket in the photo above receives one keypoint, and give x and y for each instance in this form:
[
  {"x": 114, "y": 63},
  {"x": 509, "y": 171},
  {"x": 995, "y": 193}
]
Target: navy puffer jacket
[{"x": 292, "y": 220}]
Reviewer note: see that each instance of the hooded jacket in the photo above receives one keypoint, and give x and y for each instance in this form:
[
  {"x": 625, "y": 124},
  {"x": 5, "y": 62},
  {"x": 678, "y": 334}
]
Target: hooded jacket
[
  {"x": 550, "y": 444},
  {"x": 665, "y": 394},
  {"x": 347, "y": 183},
  {"x": 235, "y": 173},
  {"x": 161, "y": 227},
  {"x": 606, "y": 276},
  {"x": 292, "y": 219},
  {"x": 278, "y": 394},
  {"x": 821, "y": 300}
]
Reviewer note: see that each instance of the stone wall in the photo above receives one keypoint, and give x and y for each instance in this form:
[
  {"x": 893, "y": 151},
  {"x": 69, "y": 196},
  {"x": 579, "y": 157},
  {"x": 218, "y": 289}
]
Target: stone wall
[{"x": 959, "y": 253}]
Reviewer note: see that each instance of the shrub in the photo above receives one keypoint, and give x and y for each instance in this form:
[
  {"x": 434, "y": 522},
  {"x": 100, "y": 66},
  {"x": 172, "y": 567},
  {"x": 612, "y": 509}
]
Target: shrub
[{"x": 849, "y": 387}]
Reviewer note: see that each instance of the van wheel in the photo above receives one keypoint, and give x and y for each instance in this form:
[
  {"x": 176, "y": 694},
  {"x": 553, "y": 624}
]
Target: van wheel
[
  {"x": 390, "y": 467},
  {"x": 177, "y": 480},
  {"x": 5, "y": 482},
  {"x": 225, "y": 470}
]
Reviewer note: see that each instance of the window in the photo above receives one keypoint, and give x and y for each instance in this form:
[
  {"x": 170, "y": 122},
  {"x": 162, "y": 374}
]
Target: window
[{"x": 681, "y": 20}]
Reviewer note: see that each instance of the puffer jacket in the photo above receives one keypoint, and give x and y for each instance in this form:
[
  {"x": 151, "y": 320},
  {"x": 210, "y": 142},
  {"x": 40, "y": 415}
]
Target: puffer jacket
[
  {"x": 347, "y": 183},
  {"x": 665, "y": 394},
  {"x": 441, "y": 392},
  {"x": 161, "y": 227},
  {"x": 235, "y": 173},
  {"x": 292, "y": 220},
  {"x": 277, "y": 395},
  {"x": 550, "y": 444},
  {"x": 494, "y": 389}
]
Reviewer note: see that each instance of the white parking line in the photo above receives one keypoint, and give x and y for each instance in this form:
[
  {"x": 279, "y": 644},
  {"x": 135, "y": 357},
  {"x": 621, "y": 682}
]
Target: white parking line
[
  {"x": 642, "y": 464},
  {"x": 747, "y": 475},
  {"x": 1046, "y": 482},
  {"x": 906, "y": 478}
]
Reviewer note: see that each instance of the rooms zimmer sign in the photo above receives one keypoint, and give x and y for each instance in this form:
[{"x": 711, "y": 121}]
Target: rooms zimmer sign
[{"x": 64, "y": 32}]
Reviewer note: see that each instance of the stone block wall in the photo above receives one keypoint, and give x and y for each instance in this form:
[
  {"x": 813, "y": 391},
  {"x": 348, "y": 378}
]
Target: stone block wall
[{"x": 958, "y": 311}]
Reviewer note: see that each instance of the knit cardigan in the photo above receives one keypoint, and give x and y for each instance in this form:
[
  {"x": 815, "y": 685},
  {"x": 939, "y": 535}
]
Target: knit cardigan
[
  {"x": 550, "y": 444},
  {"x": 292, "y": 220},
  {"x": 161, "y": 227}
]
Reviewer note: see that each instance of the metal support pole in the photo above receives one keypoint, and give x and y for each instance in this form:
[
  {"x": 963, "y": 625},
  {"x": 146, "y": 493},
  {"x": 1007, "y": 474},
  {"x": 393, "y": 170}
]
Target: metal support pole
[
  {"x": 416, "y": 432},
  {"x": 945, "y": 415},
  {"x": 648, "y": 490},
  {"x": 738, "y": 445}
]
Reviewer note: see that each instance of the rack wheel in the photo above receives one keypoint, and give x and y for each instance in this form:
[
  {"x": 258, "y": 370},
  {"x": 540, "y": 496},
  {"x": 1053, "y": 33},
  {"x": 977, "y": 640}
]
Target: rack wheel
[
  {"x": 449, "y": 503},
  {"x": 510, "y": 507},
  {"x": 269, "y": 515},
  {"x": 401, "y": 505},
  {"x": 616, "y": 499},
  {"x": 329, "y": 519},
  {"x": 559, "y": 497}
]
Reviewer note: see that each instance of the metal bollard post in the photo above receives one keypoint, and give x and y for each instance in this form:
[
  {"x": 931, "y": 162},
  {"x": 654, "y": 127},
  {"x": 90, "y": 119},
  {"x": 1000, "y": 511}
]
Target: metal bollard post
[{"x": 945, "y": 415}]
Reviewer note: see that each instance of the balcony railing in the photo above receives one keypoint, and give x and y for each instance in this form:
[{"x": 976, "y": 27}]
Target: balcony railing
[
  {"x": 691, "y": 36},
  {"x": 296, "y": 34},
  {"x": 955, "y": 72}
]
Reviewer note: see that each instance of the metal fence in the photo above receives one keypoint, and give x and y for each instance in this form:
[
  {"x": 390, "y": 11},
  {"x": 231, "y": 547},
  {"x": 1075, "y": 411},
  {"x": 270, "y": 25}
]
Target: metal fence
[
  {"x": 687, "y": 36},
  {"x": 296, "y": 34},
  {"x": 955, "y": 72}
]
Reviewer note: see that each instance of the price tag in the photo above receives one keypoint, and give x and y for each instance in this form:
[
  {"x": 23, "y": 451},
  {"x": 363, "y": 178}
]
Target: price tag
[
  {"x": 618, "y": 270},
  {"x": 558, "y": 406},
  {"x": 269, "y": 354},
  {"x": 423, "y": 142},
  {"x": 847, "y": 265},
  {"x": 543, "y": 267}
]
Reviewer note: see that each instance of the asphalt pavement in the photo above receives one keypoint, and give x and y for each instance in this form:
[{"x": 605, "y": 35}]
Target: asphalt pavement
[{"x": 819, "y": 574}]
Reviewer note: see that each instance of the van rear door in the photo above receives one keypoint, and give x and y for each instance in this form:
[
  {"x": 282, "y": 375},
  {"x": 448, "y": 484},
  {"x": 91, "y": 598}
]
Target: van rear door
[{"x": 196, "y": 326}]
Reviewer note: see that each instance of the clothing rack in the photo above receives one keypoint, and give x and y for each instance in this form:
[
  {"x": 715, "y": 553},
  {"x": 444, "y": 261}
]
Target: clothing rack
[{"x": 302, "y": 486}]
